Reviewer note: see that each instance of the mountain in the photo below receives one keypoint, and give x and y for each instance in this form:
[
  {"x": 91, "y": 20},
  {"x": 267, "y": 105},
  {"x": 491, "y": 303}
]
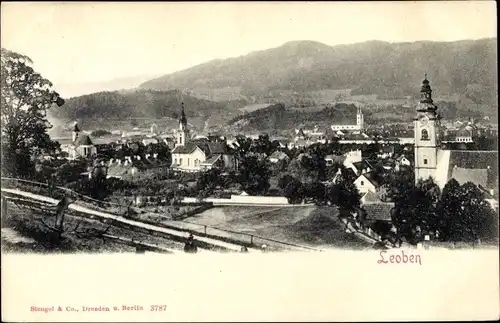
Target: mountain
[
  {"x": 112, "y": 109},
  {"x": 68, "y": 90},
  {"x": 389, "y": 70},
  {"x": 279, "y": 117}
]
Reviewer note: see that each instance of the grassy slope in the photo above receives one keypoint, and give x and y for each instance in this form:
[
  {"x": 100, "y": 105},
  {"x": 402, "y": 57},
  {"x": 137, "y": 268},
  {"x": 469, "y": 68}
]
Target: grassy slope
[{"x": 308, "y": 226}]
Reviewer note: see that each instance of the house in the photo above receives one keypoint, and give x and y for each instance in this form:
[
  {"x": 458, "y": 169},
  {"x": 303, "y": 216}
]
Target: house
[
  {"x": 369, "y": 197},
  {"x": 378, "y": 211},
  {"x": 120, "y": 169},
  {"x": 367, "y": 183},
  {"x": 351, "y": 157},
  {"x": 361, "y": 167},
  {"x": 132, "y": 166},
  {"x": 282, "y": 141},
  {"x": 277, "y": 156},
  {"x": 199, "y": 155},
  {"x": 232, "y": 143},
  {"x": 298, "y": 143},
  {"x": 402, "y": 161},
  {"x": 338, "y": 175},
  {"x": 332, "y": 159},
  {"x": 148, "y": 141},
  {"x": 386, "y": 152}
]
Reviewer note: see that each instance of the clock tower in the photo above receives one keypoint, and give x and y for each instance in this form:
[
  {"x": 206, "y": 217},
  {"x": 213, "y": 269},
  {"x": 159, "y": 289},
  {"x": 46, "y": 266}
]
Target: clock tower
[{"x": 427, "y": 134}]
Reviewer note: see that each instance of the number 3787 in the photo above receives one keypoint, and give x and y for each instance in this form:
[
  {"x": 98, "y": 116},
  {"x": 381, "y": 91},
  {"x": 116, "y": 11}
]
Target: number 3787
[{"x": 158, "y": 308}]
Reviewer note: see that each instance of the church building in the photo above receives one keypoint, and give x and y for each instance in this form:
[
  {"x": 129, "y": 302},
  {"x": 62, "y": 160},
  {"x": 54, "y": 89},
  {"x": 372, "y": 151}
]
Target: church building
[
  {"x": 359, "y": 126},
  {"x": 431, "y": 160},
  {"x": 81, "y": 146},
  {"x": 201, "y": 154}
]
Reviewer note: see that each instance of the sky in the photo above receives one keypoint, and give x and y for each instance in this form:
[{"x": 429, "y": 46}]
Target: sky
[{"x": 80, "y": 45}]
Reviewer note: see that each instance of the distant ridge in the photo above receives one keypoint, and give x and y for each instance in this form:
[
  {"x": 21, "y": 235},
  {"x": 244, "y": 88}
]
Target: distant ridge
[{"x": 372, "y": 67}]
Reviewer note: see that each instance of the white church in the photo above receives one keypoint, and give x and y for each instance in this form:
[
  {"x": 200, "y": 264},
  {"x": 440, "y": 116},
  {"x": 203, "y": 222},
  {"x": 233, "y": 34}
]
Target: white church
[
  {"x": 359, "y": 126},
  {"x": 198, "y": 155}
]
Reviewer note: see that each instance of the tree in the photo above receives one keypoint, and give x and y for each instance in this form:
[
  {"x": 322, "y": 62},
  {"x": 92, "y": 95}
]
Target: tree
[
  {"x": 448, "y": 208},
  {"x": 25, "y": 98},
  {"x": 253, "y": 175},
  {"x": 465, "y": 215},
  {"x": 315, "y": 191},
  {"x": 431, "y": 189},
  {"x": 208, "y": 181},
  {"x": 344, "y": 194},
  {"x": 414, "y": 212},
  {"x": 294, "y": 191},
  {"x": 284, "y": 180}
]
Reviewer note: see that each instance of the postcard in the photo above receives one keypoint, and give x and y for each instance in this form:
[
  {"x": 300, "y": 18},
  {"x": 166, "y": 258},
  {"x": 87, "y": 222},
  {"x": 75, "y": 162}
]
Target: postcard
[{"x": 249, "y": 161}]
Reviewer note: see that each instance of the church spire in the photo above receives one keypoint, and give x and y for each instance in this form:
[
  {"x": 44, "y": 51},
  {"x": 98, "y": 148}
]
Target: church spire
[
  {"x": 426, "y": 91},
  {"x": 183, "y": 120}
]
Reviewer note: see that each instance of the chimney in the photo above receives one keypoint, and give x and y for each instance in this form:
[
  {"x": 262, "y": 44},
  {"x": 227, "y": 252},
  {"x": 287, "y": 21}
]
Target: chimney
[
  {"x": 492, "y": 192},
  {"x": 155, "y": 155},
  {"x": 138, "y": 157},
  {"x": 126, "y": 163},
  {"x": 111, "y": 161},
  {"x": 119, "y": 161},
  {"x": 147, "y": 156}
]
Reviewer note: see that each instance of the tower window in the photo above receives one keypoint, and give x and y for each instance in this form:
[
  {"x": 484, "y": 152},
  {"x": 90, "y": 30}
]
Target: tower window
[
  {"x": 424, "y": 135},
  {"x": 425, "y": 161}
]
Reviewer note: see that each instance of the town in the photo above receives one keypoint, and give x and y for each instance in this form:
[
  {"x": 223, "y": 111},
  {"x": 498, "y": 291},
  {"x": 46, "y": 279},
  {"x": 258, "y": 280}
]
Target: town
[{"x": 434, "y": 182}]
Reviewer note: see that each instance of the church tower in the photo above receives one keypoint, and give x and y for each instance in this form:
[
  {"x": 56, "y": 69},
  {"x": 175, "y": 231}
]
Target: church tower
[
  {"x": 427, "y": 134},
  {"x": 360, "y": 122},
  {"x": 75, "y": 132},
  {"x": 182, "y": 132}
]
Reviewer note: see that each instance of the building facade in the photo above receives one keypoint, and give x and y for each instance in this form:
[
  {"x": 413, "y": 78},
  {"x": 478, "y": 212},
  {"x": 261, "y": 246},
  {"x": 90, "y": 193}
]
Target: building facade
[
  {"x": 359, "y": 126},
  {"x": 427, "y": 130}
]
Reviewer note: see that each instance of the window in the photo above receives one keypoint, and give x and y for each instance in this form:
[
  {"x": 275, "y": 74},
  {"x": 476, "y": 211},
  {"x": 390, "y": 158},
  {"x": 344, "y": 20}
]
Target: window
[
  {"x": 180, "y": 161},
  {"x": 188, "y": 161},
  {"x": 424, "y": 135},
  {"x": 425, "y": 161},
  {"x": 175, "y": 161},
  {"x": 362, "y": 183}
]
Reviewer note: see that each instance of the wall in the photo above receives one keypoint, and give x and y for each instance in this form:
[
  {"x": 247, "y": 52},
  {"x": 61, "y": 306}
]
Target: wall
[
  {"x": 242, "y": 199},
  {"x": 367, "y": 185}
]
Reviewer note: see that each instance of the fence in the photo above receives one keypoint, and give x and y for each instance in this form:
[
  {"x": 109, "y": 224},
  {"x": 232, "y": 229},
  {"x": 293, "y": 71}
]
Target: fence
[
  {"x": 240, "y": 237},
  {"x": 208, "y": 231},
  {"x": 58, "y": 192}
]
